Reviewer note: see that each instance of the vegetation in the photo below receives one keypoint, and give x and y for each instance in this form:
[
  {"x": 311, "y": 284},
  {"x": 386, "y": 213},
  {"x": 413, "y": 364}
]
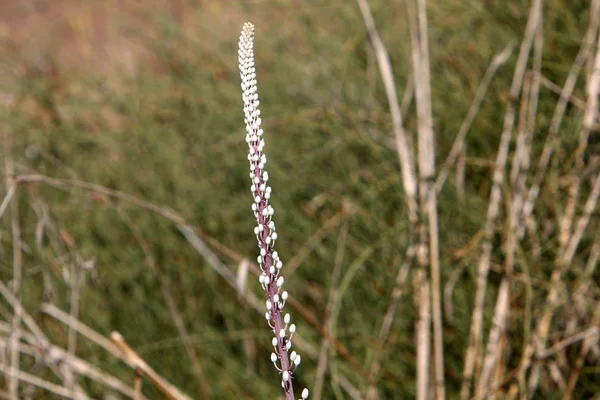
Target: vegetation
[{"x": 128, "y": 205}]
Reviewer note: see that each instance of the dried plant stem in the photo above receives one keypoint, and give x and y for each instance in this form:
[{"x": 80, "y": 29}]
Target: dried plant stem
[
  {"x": 543, "y": 329},
  {"x": 6, "y": 201},
  {"x": 475, "y": 332},
  {"x": 428, "y": 231},
  {"x": 589, "y": 333},
  {"x": 559, "y": 111},
  {"x": 74, "y": 313},
  {"x": 55, "y": 355},
  {"x": 171, "y": 305},
  {"x": 589, "y": 119},
  {"x": 313, "y": 241},
  {"x": 388, "y": 319},
  {"x": 570, "y": 241},
  {"x": 585, "y": 348},
  {"x": 137, "y": 363},
  {"x": 459, "y": 142},
  {"x": 403, "y": 145},
  {"x": 137, "y": 387},
  {"x": 213, "y": 261},
  {"x": 35, "y": 381},
  {"x": 15, "y": 336},
  {"x": 328, "y": 325},
  {"x": 422, "y": 298},
  {"x": 556, "y": 89},
  {"x": 81, "y": 328},
  {"x": 520, "y": 165}
]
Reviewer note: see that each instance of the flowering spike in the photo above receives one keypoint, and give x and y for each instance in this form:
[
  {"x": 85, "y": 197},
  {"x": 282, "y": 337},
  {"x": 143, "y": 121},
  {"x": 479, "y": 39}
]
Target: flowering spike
[{"x": 266, "y": 236}]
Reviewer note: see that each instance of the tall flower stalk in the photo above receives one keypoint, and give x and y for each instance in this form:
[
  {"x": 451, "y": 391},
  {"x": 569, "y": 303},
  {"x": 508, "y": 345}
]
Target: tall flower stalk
[{"x": 269, "y": 261}]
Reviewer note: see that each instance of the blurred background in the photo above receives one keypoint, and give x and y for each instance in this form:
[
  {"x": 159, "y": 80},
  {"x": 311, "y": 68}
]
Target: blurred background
[{"x": 122, "y": 124}]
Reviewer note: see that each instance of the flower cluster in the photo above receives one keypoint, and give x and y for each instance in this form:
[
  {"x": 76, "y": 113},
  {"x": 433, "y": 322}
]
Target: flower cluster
[{"x": 266, "y": 235}]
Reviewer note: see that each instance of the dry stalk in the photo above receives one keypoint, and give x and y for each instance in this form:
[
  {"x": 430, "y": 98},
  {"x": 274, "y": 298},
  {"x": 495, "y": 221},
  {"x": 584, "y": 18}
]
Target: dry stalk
[
  {"x": 570, "y": 241},
  {"x": 543, "y": 327},
  {"x": 553, "y": 87},
  {"x": 589, "y": 333},
  {"x": 551, "y": 142},
  {"x": 81, "y": 328},
  {"x": 459, "y": 142},
  {"x": 6, "y": 201},
  {"x": 580, "y": 361},
  {"x": 313, "y": 241},
  {"x": 388, "y": 319},
  {"x": 328, "y": 324},
  {"x": 138, "y": 364},
  {"x": 422, "y": 288},
  {"x": 15, "y": 336},
  {"x": 403, "y": 145},
  {"x": 527, "y": 122},
  {"x": 561, "y": 106},
  {"x": 137, "y": 387},
  {"x": 427, "y": 192},
  {"x": 43, "y": 384},
  {"x": 55, "y": 355},
  {"x": 171, "y": 305},
  {"x": 213, "y": 261},
  {"x": 423, "y": 335},
  {"x": 518, "y": 176},
  {"x": 74, "y": 313},
  {"x": 475, "y": 333}
]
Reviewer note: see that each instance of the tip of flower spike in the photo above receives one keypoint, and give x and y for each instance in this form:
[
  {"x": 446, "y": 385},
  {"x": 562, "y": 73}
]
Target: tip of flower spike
[{"x": 248, "y": 27}]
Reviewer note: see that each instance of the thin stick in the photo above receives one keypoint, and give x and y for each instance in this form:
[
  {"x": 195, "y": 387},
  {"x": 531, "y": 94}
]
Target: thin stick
[
  {"x": 559, "y": 111},
  {"x": 403, "y": 145},
  {"x": 475, "y": 332},
  {"x": 137, "y": 387},
  {"x": 388, "y": 319},
  {"x": 459, "y": 143},
  {"x": 427, "y": 193},
  {"x": 335, "y": 278},
  {"x": 421, "y": 282},
  {"x": 48, "y": 386},
  {"x": 423, "y": 338},
  {"x": 520, "y": 165},
  {"x": 547, "y": 83},
  {"x": 588, "y": 333},
  {"x": 74, "y": 313},
  {"x": 74, "y": 183},
  {"x": 543, "y": 329},
  {"x": 6, "y": 201},
  {"x": 137, "y": 363},
  {"x": 171, "y": 305},
  {"x": 580, "y": 361},
  {"x": 81, "y": 328},
  {"x": 213, "y": 261},
  {"x": 571, "y": 243},
  {"x": 313, "y": 241},
  {"x": 55, "y": 355},
  {"x": 15, "y": 336}
]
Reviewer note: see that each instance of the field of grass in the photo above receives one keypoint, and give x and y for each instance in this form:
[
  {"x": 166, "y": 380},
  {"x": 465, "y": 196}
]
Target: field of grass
[{"x": 122, "y": 125}]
